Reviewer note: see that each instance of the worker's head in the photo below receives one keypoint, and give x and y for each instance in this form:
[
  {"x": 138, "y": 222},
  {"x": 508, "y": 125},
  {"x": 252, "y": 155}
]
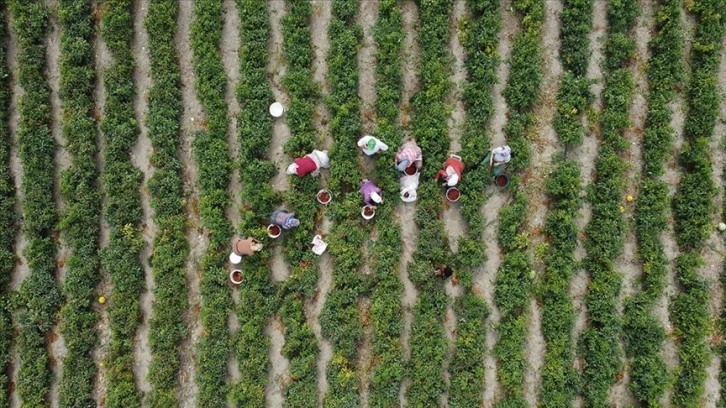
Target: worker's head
[
  {"x": 256, "y": 245},
  {"x": 376, "y": 198},
  {"x": 323, "y": 158},
  {"x": 371, "y": 144}
]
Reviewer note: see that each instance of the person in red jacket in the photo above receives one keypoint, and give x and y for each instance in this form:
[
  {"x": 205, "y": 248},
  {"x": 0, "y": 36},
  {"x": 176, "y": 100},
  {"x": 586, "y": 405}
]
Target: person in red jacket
[
  {"x": 310, "y": 164},
  {"x": 453, "y": 167}
]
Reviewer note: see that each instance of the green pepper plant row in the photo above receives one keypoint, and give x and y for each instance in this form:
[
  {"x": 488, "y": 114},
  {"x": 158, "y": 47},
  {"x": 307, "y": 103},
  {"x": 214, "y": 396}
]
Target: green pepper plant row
[
  {"x": 643, "y": 331},
  {"x": 80, "y": 222},
  {"x": 599, "y": 341},
  {"x": 341, "y": 321},
  {"x": 386, "y": 310},
  {"x": 428, "y": 342},
  {"x": 211, "y": 153},
  {"x": 560, "y": 380},
  {"x": 254, "y": 126},
  {"x": 480, "y": 42},
  {"x": 121, "y": 182},
  {"x": 301, "y": 347},
  {"x": 693, "y": 205},
  {"x": 167, "y": 199},
  {"x": 39, "y": 297},
  {"x": 513, "y": 283},
  {"x": 8, "y": 218}
]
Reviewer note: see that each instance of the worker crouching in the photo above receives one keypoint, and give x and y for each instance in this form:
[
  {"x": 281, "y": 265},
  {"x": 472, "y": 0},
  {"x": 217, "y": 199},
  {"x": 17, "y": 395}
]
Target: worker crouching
[
  {"x": 243, "y": 247},
  {"x": 451, "y": 173},
  {"x": 310, "y": 164}
]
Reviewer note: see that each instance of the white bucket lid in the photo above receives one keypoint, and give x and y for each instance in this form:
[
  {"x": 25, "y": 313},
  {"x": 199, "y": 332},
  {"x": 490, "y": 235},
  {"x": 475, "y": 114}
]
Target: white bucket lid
[
  {"x": 276, "y": 109},
  {"x": 234, "y": 259}
]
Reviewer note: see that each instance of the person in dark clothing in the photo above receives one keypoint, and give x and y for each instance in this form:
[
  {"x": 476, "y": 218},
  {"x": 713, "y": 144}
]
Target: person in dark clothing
[{"x": 443, "y": 271}]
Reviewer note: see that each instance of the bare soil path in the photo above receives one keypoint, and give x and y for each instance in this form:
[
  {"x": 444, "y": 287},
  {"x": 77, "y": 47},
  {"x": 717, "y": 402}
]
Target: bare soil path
[
  {"x": 192, "y": 120},
  {"x": 455, "y": 227},
  {"x": 410, "y": 60},
  {"x": 230, "y": 59},
  {"x": 715, "y": 248},
  {"x": 140, "y": 156},
  {"x": 102, "y": 61},
  {"x": 22, "y": 270},
  {"x": 62, "y": 161},
  {"x": 367, "y": 17},
  {"x": 319, "y": 24},
  {"x": 276, "y": 69}
]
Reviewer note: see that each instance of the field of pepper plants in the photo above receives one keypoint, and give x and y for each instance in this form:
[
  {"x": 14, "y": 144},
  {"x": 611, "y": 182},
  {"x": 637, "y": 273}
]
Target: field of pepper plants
[{"x": 136, "y": 140}]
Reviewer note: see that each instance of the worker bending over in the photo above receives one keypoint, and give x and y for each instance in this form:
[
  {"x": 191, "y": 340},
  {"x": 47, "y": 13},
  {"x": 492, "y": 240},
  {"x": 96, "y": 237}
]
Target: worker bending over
[
  {"x": 310, "y": 164},
  {"x": 453, "y": 167}
]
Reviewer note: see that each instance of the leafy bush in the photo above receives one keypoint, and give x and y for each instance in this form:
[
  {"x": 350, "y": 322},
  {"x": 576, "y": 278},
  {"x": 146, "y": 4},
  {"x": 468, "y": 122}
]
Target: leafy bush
[
  {"x": 39, "y": 298},
  {"x": 693, "y": 205},
  {"x": 80, "y": 221},
  {"x": 301, "y": 347},
  {"x": 258, "y": 295},
  {"x": 211, "y": 153},
  {"x": 121, "y": 183},
  {"x": 170, "y": 245},
  {"x": 386, "y": 290},
  {"x": 480, "y": 38}
]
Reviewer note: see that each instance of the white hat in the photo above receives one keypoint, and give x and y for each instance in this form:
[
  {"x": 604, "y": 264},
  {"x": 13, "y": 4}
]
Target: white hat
[
  {"x": 376, "y": 197},
  {"x": 234, "y": 259}
]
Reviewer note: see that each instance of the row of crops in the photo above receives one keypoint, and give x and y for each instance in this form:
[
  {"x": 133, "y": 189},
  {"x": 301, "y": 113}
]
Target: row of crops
[{"x": 101, "y": 182}]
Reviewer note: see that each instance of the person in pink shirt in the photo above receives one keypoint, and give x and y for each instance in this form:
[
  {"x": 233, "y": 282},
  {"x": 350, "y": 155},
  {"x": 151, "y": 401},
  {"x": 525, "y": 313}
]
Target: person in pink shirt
[
  {"x": 371, "y": 193},
  {"x": 310, "y": 164},
  {"x": 409, "y": 154}
]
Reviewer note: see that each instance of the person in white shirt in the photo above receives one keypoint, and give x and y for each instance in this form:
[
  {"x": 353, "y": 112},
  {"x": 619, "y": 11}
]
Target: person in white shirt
[
  {"x": 498, "y": 157},
  {"x": 371, "y": 145},
  {"x": 409, "y": 185}
]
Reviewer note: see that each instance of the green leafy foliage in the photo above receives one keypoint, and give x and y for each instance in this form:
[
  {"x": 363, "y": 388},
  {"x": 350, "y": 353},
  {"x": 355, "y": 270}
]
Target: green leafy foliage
[
  {"x": 301, "y": 347},
  {"x": 513, "y": 284},
  {"x": 80, "y": 221},
  {"x": 39, "y": 297},
  {"x": 428, "y": 342},
  {"x": 560, "y": 380},
  {"x": 340, "y": 320},
  {"x": 386, "y": 291},
  {"x": 693, "y": 205},
  {"x": 643, "y": 332},
  {"x": 170, "y": 245},
  {"x": 121, "y": 183},
  {"x": 8, "y": 218},
  {"x": 479, "y": 37},
  {"x": 211, "y": 153},
  {"x": 258, "y": 295}
]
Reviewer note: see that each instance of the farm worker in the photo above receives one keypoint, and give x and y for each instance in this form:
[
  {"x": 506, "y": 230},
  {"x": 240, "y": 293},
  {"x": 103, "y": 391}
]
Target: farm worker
[
  {"x": 311, "y": 163},
  {"x": 371, "y": 145},
  {"x": 371, "y": 192},
  {"x": 409, "y": 185},
  {"x": 284, "y": 219},
  {"x": 497, "y": 158},
  {"x": 409, "y": 153},
  {"x": 443, "y": 271},
  {"x": 243, "y": 247},
  {"x": 453, "y": 167}
]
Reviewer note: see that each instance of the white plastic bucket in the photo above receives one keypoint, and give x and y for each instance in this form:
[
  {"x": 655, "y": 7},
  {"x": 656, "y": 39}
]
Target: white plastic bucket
[
  {"x": 363, "y": 212},
  {"x": 271, "y": 233},
  {"x": 236, "y": 276},
  {"x": 276, "y": 110}
]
